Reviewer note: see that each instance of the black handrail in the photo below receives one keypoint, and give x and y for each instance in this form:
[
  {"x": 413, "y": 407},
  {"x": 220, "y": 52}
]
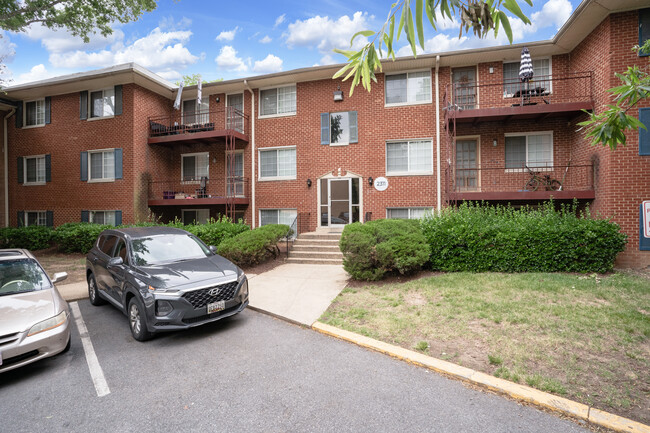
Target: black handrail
[{"x": 293, "y": 232}]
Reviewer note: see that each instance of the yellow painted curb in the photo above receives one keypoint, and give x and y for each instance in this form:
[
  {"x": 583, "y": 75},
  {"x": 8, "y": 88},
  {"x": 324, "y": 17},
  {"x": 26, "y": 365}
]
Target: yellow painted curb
[{"x": 514, "y": 390}]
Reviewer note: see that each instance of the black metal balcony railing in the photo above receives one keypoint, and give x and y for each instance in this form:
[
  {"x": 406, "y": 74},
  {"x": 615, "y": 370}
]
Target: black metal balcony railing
[
  {"x": 573, "y": 177},
  {"x": 192, "y": 189},
  {"x": 228, "y": 118},
  {"x": 547, "y": 89}
]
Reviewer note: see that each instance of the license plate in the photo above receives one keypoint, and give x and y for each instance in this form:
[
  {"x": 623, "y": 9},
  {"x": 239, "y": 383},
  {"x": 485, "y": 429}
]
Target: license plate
[{"x": 216, "y": 306}]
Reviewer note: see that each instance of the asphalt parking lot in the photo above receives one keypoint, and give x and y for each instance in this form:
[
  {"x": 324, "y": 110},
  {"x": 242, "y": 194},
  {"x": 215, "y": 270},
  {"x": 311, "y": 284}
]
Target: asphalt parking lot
[{"x": 247, "y": 373}]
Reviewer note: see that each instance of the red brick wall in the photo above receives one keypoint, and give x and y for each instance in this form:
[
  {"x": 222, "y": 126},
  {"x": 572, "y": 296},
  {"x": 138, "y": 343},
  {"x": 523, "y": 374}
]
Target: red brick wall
[{"x": 2, "y": 168}]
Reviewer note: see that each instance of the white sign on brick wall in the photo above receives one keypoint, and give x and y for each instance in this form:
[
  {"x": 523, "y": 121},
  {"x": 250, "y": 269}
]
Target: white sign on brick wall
[{"x": 381, "y": 183}]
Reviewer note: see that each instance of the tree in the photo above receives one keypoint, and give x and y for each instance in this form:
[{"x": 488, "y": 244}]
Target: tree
[
  {"x": 479, "y": 15},
  {"x": 193, "y": 79},
  {"x": 608, "y": 128},
  {"x": 79, "y": 17}
]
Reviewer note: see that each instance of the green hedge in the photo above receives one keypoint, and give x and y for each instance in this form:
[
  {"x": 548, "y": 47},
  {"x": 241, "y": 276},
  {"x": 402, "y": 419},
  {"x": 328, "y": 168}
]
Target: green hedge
[
  {"x": 31, "y": 238},
  {"x": 480, "y": 238},
  {"x": 78, "y": 237},
  {"x": 254, "y": 246},
  {"x": 372, "y": 249}
]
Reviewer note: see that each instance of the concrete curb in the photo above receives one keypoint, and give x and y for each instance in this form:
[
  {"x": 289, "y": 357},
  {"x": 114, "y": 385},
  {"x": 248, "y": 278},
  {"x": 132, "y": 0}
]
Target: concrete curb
[
  {"x": 514, "y": 390},
  {"x": 277, "y": 316}
]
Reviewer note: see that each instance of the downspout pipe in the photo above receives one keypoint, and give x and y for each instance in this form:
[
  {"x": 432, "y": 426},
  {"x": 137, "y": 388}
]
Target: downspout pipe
[
  {"x": 253, "y": 210},
  {"x": 438, "y": 180},
  {"x": 6, "y": 166}
]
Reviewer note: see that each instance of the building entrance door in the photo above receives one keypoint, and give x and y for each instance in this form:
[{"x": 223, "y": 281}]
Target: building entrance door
[
  {"x": 339, "y": 201},
  {"x": 466, "y": 165}
]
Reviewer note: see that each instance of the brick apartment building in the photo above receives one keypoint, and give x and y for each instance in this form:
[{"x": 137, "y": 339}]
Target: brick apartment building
[{"x": 107, "y": 146}]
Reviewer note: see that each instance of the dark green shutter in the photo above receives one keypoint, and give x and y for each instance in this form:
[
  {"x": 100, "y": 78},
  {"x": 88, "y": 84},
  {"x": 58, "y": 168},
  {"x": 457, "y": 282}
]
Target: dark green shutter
[
  {"x": 84, "y": 166},
  {"x": 85, "y": 216},
  {"x": 19, "y": 114},
  {"x": 644, "y": 28},
  {"x": 48, "y": 110},
  {"x": 644, "y": 134},
  {"x": 21, "y": 218},
  {"x": 48, "y": 168},
  {"x": 354, "y": 131},
  {"x": 118, "y": 217},
  {"x": 325, "y": 128},
  {"x": 83, "y": 105},
  {"x": 20, "y": 166},
  {"x": 118, "y": 100},
  {"x": 118, "y": 163},
  {"x": 49, "y": 218}
]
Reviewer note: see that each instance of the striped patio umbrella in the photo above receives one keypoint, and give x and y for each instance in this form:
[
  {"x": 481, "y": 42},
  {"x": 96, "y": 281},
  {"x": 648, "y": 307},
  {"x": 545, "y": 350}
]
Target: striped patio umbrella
[{"x": 525, "y": 66}]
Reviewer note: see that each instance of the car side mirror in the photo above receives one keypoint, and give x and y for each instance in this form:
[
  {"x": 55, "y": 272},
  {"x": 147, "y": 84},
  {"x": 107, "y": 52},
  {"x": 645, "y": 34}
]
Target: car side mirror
[
  {"x": 213, "y": 249},
  {"x": 115, "y": 261},
  {"x": 59, "y": 276}
]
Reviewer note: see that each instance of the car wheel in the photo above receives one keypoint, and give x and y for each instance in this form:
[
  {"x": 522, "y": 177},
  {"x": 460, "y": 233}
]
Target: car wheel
[
  {"x": 93, "y": 293},
  {"x": 138, "y": 321}
]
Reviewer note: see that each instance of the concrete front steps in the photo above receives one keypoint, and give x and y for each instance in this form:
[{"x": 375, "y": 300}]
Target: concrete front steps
[{"x": 317, "y": 248}]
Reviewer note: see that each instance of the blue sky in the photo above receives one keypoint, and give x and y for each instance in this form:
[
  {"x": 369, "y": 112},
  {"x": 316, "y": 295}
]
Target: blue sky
[{"x": 240, "y": 39}]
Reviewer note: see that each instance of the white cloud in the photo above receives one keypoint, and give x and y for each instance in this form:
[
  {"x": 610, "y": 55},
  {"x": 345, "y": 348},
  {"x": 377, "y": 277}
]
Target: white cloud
[
  {"x": 279, "y": 20},
  {"x": 326, "y": 33},
  {"x": 265, "y": 40},
  {"x": 554, "y": 12},
  {"x": 37, "y": 73},
  {"x": 228, "y": 60},
  {"x": 227, "y": 35},
  {"x": 60, "y": 41},
  {"x": 444, "y": 23},
  {"x": 270, "y": 64},
  {"x": 169, "y": 23}
]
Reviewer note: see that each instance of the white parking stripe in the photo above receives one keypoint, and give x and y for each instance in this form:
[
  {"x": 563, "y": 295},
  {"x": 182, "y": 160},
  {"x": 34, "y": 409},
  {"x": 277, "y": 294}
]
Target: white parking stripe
[{"x": 101, "y": 386}]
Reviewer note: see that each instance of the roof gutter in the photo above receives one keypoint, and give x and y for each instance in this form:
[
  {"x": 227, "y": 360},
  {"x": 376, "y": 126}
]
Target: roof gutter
[
  {"x": 438, "y": 179},
  {"x": 6, "y": 166},
  {"x": 253, "y": 211}
]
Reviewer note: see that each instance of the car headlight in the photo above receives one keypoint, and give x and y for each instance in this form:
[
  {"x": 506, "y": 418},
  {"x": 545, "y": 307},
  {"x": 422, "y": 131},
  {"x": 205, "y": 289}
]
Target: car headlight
[
  {"x": 51, "y": 323},
  {"x": 243, "y": 291}
]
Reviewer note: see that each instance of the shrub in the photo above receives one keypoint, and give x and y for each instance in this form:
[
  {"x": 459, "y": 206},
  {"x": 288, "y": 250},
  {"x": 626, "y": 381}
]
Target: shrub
[
  {"x": 372, "y": 249},
  {"x": 216, "y": 231},
  {"x": 77, "y": 237},
  {"x": 254, "y": 246},
  {"x": 30, "y": 238},
  {"x": 482, "y": 238}
]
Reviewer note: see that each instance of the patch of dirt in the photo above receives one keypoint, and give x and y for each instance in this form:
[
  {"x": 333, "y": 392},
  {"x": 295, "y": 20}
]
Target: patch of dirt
[
  {"x": 392, "y": 279},
  {"x": 54, "y": 261}
]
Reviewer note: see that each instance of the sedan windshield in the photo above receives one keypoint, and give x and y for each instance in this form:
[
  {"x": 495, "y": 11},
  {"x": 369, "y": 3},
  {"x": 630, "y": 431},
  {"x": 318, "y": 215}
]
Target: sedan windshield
[
  {"x": 167, "y": 248},
  {"x": 20, "y": 276}
]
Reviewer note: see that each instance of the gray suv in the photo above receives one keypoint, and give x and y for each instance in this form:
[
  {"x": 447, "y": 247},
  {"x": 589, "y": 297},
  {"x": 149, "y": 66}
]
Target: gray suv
[{"x": 163, "y": 279}]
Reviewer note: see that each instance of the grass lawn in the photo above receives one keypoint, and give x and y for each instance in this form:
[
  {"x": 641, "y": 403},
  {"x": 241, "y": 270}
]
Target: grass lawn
[{"x": 584, "y": 337}]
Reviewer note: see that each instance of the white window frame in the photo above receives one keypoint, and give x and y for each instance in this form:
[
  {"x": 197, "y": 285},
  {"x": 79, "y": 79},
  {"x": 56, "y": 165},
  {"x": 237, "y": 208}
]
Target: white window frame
[
  {"x": 550, "y": 75},
  {"x": 409, "y": 209},
  {"x": 342, "y": 143},
  {"x": 199, "y": 118},
  {"x": 37, "y": 125},
  {"x": 243, "y": 106},
  {"x": 274, "y": 178},
  {"x": 408, "y": 173},
  {"x": 401, "y": 104},
  {"x": 37, "y": 182},
  {"x": 197, "y": 215},
  {"x": 243, "y": 174},
  {"x": 195, "y": 154},
  {"x": 104, "y": 178},
  {"x": 278, "y": 210},
  {"x": 90, "y": 104},
  {"x": 267, "y": 116},
  {"x": 91, "y": 216},
  {"x": 41, "y": 214},
  {"x": 528, "y": 134}
]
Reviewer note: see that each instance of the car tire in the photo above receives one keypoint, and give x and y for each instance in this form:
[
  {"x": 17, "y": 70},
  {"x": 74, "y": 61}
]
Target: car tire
[
  {"x": 67, "y": 346},
  {"x": 93, "y": 293},
  {"x": 138, "y": 321}
]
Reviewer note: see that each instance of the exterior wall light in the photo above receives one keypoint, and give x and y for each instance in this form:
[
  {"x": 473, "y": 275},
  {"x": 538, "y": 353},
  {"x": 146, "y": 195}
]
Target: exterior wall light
[
  {"x": 370, "y": 181},
  {"x": 308, "y": 183},
  {"x": 338, "y": 95},
  {"x": 494, "y": 142},
  {"x": 217, "y": 99}
]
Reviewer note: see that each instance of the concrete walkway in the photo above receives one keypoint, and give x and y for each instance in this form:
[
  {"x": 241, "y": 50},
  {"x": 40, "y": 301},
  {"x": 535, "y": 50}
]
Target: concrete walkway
[{"x": 74, "y": 291}]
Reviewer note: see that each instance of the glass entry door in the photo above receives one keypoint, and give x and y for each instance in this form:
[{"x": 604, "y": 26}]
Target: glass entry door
[
  {"x": 464, "y": 91},
  {"x": 339, "y": 201},
  {"x": 235, "y": 112},
  {"x": 466, "y": 165},
  {"x": 235, "y": 173}
]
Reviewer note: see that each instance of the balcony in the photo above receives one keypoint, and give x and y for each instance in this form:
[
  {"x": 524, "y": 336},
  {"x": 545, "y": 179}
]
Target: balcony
[
  {"x": 196, "y": 192},
  {"x": 501, "y": 184},
  {"x": 543, "y": 97},
  {"x": 199, "y": 126}
]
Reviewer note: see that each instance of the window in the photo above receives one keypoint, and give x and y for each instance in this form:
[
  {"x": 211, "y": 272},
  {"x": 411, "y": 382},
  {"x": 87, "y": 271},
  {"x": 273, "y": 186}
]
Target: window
[
  {"x": 534, "y": 150},
  {"x": 644, "y": 28},
  {"x": 194, "y": 113},
  {"x": 36, "y": 218},
  {"x": 121, "y": 251},
  {"x": 408, "y": 88},
  {"x": 102, "y": 103},
  {"x": 408, "y": 213},
  {"x": 278, "y": 216},
  {"x": 409, "y": 157},
  {"x": 102, "y": 217},
  {"x": 34, "y": 170},
  {"x": 35, "y": 113},
  {"x": 102, "y": 165},
  {"x": 195, "y": 166},
  {"x": 196, "y": 216},
  {"x": 278, "y": 163},
  {"x": 108, "y": 245},
  {"x": 541, "y": 77},
  {"x": 339, "y": 129},
  {"x": 277, "y": 102}
]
